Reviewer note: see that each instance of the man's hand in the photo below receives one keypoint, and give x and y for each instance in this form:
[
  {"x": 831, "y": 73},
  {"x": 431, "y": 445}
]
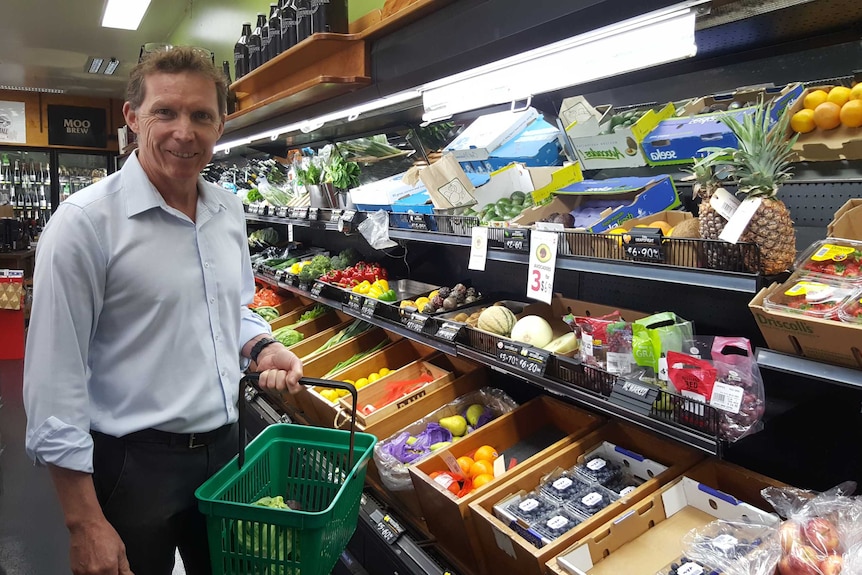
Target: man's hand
[
  {"x": 280, "y": 369},
  {"x": 96, "y": 549}
]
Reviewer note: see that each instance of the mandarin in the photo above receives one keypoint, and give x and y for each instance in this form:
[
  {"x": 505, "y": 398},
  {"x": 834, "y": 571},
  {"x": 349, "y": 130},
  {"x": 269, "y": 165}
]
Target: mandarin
[
  {"x": 465, "y": 463},
  {"x": 481, "y": 466},
  {"x": 851, "y": 114},
  {"x": 485, "y": 452},
  {"x": 827, "y": 116},
  {"x": 482, "y": 479}
]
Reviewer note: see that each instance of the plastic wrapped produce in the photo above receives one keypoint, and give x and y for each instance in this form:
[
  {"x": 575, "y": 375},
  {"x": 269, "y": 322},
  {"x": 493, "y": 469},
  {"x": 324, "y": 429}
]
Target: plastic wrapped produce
[
  {"x": 814, "y": 297},
  {"x": 732, "y": 548},
  {"x": 688, "y": 566},
  {"x": 562, "y": 485},
  {"x": 834, "y": 258},
  {"x": 597, "y": 469},
  {"x": 408, "y": 446},
  {"x": 591, "y": 502},
  {"x": 555, "y": 524}
]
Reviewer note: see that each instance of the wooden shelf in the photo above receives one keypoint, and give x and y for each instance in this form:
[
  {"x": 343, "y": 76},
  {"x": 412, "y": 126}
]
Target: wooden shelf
[{"x": 397, "y": 14}]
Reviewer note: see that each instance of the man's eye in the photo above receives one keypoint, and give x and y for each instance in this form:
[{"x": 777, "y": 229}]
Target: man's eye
[
  {"x": 203, "y": 116},
  {"x": 163, "y": 112}
]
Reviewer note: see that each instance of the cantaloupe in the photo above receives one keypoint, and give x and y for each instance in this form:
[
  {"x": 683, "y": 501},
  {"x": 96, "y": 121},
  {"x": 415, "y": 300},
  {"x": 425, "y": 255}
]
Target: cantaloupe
[{"x": 497, "y": 319}]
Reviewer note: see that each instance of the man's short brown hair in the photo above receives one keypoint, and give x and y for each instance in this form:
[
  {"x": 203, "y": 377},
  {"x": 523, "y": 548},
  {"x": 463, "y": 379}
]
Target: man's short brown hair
[{"x": 176, "y": 60}]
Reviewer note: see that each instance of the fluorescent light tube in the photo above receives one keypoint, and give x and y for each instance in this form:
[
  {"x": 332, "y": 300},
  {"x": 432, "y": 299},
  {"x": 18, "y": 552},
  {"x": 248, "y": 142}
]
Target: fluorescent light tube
[
  {"x": 113, "y": 63},
  {"x": 649, "y": 40},
  {"x": 124, "y": 14},
  {"x": 95, "y": 65}
]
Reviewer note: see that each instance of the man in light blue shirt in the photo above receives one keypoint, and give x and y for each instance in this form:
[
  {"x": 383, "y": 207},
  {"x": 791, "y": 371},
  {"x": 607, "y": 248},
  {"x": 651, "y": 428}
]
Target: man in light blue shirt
[{"x": 139, "y": 332}]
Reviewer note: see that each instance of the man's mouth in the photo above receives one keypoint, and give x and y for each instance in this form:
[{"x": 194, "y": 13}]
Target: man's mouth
[{"x": 184, "y": 155}]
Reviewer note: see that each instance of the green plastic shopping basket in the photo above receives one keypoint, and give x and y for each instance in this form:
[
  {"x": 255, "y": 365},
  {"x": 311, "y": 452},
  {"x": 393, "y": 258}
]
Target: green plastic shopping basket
[{"x": 319, "y": 471}]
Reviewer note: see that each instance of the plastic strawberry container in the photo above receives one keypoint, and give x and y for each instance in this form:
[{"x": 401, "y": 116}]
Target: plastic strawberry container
[
  {"x": 811, "y": 296},
  {"x": 851, "y": 310},
  {"x": 834, "y": 258}
]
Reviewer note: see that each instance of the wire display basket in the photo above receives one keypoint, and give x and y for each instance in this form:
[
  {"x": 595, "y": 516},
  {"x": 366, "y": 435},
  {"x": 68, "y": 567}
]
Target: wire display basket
[{"x": 318, "y": 472}]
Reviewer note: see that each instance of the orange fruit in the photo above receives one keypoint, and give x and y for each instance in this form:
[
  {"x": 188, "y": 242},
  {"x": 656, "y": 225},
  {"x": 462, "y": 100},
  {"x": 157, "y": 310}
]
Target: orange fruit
[
  {"x": 803, "y": 121},
  {"x": 482, "y": 479},
  {"x": 851, "y": 114},
  {"x": 481, "y": 466},
  {"x": 838, "y": 95},
  {"x": 485, "y": 452},
  {"x": 827, "y": 115},
  {"x": 465, "y": 463},
  {"x": 445, "y": 479},
  {"x": 814, "y": 99},
  {"x": 662, "y": 225},
  {"x": 856, "y": 92}
]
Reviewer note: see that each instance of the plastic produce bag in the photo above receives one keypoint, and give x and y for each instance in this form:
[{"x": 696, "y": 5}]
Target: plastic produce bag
[
  {"x": 592, "y": 336},
  {"x": 393, "y": 455},
  {"x": 654, "y": 336},
  {"x": 272, "y": 194},
  {"x": 823, "y": 532},
  {"x": 375, "y": 230},
  {"x": 733, "y": 548}
]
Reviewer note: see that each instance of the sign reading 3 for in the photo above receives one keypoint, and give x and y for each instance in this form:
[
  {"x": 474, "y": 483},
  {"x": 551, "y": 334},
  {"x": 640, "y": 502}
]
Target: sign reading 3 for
[{"x": 77, "y": 126}]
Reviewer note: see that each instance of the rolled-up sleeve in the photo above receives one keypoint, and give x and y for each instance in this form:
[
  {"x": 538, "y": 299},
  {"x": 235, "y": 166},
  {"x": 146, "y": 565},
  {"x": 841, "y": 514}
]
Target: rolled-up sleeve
[
  {"x": 252, "y": 324},
  {"x": 68, "y": 294}
]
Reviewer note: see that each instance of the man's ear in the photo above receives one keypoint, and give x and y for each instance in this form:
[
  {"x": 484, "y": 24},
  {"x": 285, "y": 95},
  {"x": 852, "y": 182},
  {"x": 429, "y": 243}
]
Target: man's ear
[
  {"x": 221, "y": 125},
  {"x": 131, "y": 117}
]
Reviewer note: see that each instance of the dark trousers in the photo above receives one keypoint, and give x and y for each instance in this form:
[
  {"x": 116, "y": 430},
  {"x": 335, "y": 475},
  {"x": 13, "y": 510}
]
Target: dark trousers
[{"x": 146, "y": 485}]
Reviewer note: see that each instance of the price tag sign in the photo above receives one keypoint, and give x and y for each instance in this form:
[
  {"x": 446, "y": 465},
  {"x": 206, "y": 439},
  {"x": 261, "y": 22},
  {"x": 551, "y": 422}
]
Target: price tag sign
[
  {"x": 416, "y": 322},
  {"x": 369, "y": 306},
  {"x": 644, "y": 245},
  {"x": 303, "y": 285},
  {"x": 313, "y": 214},
  {"x": 478, "y": 248},
  {"x": 516, "y": 240},
  {"x": 348, "y": 215},
  {"x": 418, "y": 222},
  {"x": 299, "y": 213},
  {"x": 522, "y": 357},
  {"x": 449, "y": 331},
  {"x": 634, "y": 395},
  {"x": 543, "y": 262},
  {"x": 316, "y": 289},
  {"x": 279, "y": 275},
  {"x": 355, "y": 303},
  {"x": 281, "y": 211},
  {"x": 335, "y": 215},
  {"x": 389, "y": 530}
]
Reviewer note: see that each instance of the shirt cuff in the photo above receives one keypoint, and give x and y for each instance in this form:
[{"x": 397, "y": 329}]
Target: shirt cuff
[{"x": 61, "y": 444}]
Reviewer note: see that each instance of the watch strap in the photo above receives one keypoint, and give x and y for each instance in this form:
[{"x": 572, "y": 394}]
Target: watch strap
[{"x": 258, "y": 347}]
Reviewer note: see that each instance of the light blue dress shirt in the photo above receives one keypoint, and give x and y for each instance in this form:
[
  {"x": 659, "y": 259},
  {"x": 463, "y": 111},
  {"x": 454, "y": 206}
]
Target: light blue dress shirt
[{"x": 138, "y": 318}]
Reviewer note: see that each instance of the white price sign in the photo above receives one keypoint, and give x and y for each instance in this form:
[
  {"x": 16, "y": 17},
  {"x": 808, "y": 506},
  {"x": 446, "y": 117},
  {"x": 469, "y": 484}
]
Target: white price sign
[
  {"x": 543, "y": 261},
  {"x": 478, "y": 248}
]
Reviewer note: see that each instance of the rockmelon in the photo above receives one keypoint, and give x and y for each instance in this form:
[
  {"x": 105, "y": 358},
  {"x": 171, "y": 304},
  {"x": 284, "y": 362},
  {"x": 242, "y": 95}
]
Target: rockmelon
[{"x": 497, "y": 319}]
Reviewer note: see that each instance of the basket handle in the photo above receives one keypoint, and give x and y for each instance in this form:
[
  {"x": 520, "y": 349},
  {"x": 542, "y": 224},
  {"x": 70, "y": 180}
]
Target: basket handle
[{"x": 253, "y": 378}]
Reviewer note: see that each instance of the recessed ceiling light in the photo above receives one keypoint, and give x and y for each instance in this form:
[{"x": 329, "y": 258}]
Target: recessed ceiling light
[
  {"x": 94, "y": 64},
  {"x": 124, "y": 14},
  {"x": 33, "y": 89},
  {"x": 112, "y": 66}
]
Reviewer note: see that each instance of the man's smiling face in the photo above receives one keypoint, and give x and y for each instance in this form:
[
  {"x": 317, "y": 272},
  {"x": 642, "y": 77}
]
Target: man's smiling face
[{"x": 177, "y": 124}]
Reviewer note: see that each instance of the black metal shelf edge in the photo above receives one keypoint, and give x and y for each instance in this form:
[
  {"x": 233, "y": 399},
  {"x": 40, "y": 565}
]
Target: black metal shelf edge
[
  {"x": 708, "y": 444},
  {"x": 430, "y": 237},
  {"x": 331, "y": 226},
  {"x": 795, "y": 365}
]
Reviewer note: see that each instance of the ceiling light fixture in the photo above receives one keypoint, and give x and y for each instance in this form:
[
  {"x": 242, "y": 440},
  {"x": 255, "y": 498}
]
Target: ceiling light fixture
[
  {"x": 33, "y": 89},
  {"x": 124, "y": 14},
  {"x": 112, "y": 66},
  {"x": 634, "y": 44},
  {"x": 94, "y": 65}
]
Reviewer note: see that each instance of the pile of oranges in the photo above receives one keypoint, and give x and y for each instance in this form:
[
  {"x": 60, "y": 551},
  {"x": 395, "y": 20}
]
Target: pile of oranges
[
  {"x": 840, "y": 106},
  {"x": 477, "y": 469}
]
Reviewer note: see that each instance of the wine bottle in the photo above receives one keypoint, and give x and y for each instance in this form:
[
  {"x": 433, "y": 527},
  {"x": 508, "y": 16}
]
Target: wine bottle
[
  {"x": 303, "y": 19},
  {"x": 240, "y": 52},
  {"x": 329, "y": 16},
  {"x": 231, "y": 95},
  {"x": 274, "y": 31},
  {"x": 254, "y": 42},
  {"x": 288, "y": 25},
  {"x": 265, "y": 40}
]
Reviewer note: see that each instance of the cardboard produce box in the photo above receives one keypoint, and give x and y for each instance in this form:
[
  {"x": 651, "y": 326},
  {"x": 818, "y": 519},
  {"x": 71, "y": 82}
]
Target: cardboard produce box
[
  {"x": 537, "y": 429},
  {"x": 538, "y": 144},
  {"x": 505, "y": 547},
  {"x": 648, "y": 536},
  {"x": 841, "y": 143},
  {"x": 847, "y": 222}
]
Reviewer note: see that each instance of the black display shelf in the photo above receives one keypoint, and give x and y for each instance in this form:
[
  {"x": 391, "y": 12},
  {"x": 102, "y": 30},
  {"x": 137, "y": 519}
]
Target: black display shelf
[{"x": 795, "y": 365}]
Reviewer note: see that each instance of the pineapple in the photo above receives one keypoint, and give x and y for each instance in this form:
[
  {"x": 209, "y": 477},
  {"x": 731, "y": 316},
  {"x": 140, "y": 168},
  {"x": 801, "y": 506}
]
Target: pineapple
[
  {"x": 710, "y": 222},
  {"x": 762, "y": 165}
]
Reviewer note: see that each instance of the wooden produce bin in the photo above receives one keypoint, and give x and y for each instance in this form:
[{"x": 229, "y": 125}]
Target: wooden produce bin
[
  {"x": 447, "y": 516},
  {"x": 505, "y": 549},
  {"x": 312, "y": 343},
  {"x": 648, "y": 536},
  {"x": 291, "y": 304},
  {"x": 294, "y": 314}
]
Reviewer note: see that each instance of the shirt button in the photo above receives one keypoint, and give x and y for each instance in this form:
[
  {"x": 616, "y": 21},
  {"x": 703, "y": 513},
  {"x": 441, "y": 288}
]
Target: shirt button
[
  {"x": 223, "y": 373},
  {"x": 206, "y": 264},
  {"x": 212, "y": 300}
]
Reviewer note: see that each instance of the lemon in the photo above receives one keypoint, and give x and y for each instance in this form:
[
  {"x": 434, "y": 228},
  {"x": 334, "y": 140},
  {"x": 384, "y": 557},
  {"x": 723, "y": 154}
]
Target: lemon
[
  {"x": 330, "y": 395},
  {"x": 373, "y": 377},
  {"x": 839, "y": 95},
  {"x": 350, "y": 381},
  {"x": 814, "y": 99},
  {"x": 803, "y": 121},
  {"x": 341, "y": 392},
  {"x": 383, "y": 371},
  {"x": 361, "y": 382},
  {"x": 856, "y": 92}
]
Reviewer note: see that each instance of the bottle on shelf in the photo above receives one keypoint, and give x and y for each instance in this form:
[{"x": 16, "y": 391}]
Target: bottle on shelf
[
  {"x": 5, "y": 173},
  {"x": 303, "y": 19},
  {"x": 265, "y": 41},
  {"x": 274, "y": 48},
  {"x": 254, "y": 45},
  {"x": 329, "y": 16},
  {"x": 16, "y": 175},
  {"x": 240, "y": 52},
  {"x": 231, "y": 95},
  {"x": 288, "y": 24}
]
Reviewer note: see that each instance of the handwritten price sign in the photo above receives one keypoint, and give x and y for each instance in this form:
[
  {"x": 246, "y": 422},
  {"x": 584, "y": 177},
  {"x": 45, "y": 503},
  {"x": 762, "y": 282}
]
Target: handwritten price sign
[{"x": 543, "y": 262}]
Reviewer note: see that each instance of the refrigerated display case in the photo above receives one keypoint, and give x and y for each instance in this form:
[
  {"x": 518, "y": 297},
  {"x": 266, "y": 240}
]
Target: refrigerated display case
[
  {"x": 25, "y": 184},
  {"x": 76, "y": 171}
]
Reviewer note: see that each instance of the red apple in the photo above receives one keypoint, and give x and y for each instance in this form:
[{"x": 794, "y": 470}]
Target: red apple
[
  {"x": 822, "y": 535},
  {"x": 832, "y": 565},
  {"x": 803, "y": 560},
  {"x": 784, "y": 566},
  {"x": 790, "y": 533}
]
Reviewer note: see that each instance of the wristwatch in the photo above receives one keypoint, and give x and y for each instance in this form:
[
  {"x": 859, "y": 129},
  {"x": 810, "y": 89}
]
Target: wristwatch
[{"x": 258, "y": 347}]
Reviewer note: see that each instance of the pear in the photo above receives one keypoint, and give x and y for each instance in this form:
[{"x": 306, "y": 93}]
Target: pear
[
  {"x": 411, "y": 440},
  {"x": 474, "y": 412},
  {"x": 439, "y": 445},
  {"x": 456, "y": 425}
]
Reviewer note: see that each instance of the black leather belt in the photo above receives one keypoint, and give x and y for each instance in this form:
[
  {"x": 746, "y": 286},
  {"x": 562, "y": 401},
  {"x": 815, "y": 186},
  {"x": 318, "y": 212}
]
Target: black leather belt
[{"x": 189, "y": 440}]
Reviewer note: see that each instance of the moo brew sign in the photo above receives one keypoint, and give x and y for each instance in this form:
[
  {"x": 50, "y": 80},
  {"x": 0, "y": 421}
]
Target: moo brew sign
[{"x": 77, "y": 126}]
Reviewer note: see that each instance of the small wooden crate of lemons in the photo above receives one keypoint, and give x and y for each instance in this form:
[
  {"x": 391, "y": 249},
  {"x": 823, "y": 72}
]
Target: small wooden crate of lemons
[{"x": 333, "y": 394}]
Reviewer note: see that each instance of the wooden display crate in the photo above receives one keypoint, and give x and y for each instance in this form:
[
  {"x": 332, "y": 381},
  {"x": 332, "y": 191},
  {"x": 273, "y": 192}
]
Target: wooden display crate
[
  {"x": 376, "y": 392},
  {"x": 504, "y": 548},
  {"x": 316, "y": 325},
  {"x": 447, "y": 516},
  {"x": 647, "y": 536},
  {"x": 313, "y": 342},
  {"x": 292, "y": 316},
  {"x": 291, "y": 303}
]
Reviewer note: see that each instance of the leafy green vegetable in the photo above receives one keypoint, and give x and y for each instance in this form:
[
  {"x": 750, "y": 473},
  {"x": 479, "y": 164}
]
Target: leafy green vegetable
[
  {"x": 264, "y": 540},
  {"x": 357, "y": 357},
  {"x": 314, "y": 312},
  {"x": 341, "y": 173},
  {"x": 268, "y": 313},
  {"x": 253, "y": 195},
  {"x": 287, "y": 336},
  {"x": 346, "y": 258},
  {"x": 354, "y": 329}
]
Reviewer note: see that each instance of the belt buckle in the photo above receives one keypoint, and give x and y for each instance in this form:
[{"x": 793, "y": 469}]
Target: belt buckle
[{"x": 192, "y": 444}]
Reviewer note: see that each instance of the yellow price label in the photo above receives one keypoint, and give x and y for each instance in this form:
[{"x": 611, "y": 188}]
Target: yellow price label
[
  {"x": 804, "y": 288},
  {"x": 832, "y": 252}
]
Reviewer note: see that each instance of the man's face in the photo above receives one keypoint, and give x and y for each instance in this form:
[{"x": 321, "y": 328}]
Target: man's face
[{"x": 177, "y": 124}]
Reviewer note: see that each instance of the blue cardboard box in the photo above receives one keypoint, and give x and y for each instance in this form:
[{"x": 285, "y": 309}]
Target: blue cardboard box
[
  {"x": 418, "y": 203},
  {"x": 537, "y": 145},
  {"x": 382, "y": 194}
]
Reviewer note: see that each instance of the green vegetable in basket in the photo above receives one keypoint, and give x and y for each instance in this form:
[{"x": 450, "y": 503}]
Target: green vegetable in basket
[
  {"x": 354, "y": 329},
  {"x": 287, "y": 336},
  {"x": 259, "y": 539},
  {"x": 268, "y": 313}
]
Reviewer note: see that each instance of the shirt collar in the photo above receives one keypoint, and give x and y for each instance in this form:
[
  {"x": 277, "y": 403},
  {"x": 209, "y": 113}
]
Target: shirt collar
[{"x": 141, "y": 195}]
